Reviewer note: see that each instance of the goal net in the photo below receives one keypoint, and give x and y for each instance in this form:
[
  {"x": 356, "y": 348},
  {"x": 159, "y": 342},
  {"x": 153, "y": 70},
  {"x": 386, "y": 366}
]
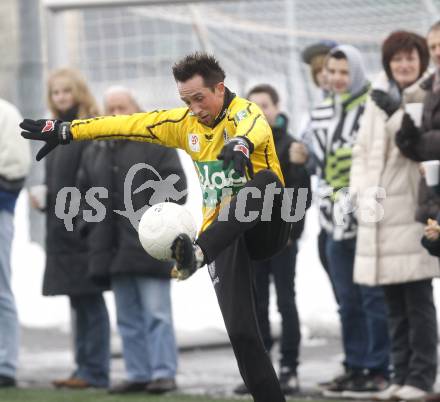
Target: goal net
[{"x": 256, "y": 41}]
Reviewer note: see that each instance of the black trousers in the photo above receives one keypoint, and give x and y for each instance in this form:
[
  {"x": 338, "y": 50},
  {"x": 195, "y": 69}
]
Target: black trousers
[
  {"x": 229, "y": 247},
  {"x": 413, "y": 328},
  {"x": 281, "y": 268}
]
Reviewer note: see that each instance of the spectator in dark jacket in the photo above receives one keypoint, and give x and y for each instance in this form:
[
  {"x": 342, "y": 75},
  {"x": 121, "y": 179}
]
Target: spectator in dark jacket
[
  {"x": 431, "y": 238},
  {"x": 282, "y": 266},
  {"x": 421, "y": 143},
  {"x": 66, "y": 253},
  {"x": 141, "y": 284}
]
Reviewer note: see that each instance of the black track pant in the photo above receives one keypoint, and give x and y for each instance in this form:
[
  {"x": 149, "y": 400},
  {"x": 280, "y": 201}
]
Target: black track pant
[{"x": 229, "y": 247}]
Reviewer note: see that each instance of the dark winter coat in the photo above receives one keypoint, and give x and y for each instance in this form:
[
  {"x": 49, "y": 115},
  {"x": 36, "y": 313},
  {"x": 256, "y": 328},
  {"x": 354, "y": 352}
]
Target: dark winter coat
[
  {"x": 113, "y": 243},
  {"x": 66, "y": 254},
  {"x": 295, "y": 176},
  {"x": 427, "y": 147},
  {"x": 433, "y": 246}
]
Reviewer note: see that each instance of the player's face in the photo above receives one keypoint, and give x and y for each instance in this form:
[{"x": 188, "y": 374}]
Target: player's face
[
  {"x": 119, "y": 103},
  {"x": 206, "y": 103},
  {"x": 405, "y": 67},
  {"x": 338, "y": 75},
  {"x": 433, "y": 40},
  {"x": 264, "y": 101},
  {"x": 62, "y": 95}
]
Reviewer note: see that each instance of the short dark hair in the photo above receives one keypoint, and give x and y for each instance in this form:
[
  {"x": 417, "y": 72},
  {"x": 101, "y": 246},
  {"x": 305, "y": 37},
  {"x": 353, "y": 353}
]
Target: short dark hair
[
  {"x": 266, "y": 89},
  {"x": 405, "y": 41},
  {"x": 338, "y": 55},
  {"x": 201, "y": 64}
]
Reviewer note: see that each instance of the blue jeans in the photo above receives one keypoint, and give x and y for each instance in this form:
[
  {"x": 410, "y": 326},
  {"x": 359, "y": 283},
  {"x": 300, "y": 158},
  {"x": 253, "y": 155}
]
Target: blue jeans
[
  {"x": 9, "y": 328},
  {"x": 145, "y": 323},
  {"x": 282, "y": 269},
  {"x": 91, "y": 339},
  {"x": 362, "y": 311}
]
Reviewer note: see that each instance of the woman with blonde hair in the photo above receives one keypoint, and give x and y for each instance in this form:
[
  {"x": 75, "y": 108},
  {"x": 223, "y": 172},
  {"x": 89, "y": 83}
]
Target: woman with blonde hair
[
  {"x": 66, "y": 273},
  {"x": 78, "y": 97}
]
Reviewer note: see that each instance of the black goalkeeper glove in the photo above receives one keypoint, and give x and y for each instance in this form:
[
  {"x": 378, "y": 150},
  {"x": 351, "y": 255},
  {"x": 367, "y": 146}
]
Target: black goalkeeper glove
[
  {"x": 189, "y": 257},
  {"x": 385, "y": 101},
  {"x": 237, "y": 151},
  {"x": 53, "y": 132}
]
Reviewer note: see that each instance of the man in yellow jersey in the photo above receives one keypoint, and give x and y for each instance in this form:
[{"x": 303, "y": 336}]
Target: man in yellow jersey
[{"x": 233, "y": 151}]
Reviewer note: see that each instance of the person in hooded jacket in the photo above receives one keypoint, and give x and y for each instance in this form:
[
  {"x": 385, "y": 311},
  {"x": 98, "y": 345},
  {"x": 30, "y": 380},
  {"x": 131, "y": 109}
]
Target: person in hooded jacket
[
  {"x": 282, "y": 266},
  {"x": 67, "y": 271},
  {"x": 403, "y": 267},
  {"x": 362, "y": 309}
]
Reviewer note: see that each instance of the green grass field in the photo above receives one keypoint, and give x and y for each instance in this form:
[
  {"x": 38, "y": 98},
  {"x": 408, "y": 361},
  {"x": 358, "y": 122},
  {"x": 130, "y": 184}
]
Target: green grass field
[{"x": 48, "y": 395}]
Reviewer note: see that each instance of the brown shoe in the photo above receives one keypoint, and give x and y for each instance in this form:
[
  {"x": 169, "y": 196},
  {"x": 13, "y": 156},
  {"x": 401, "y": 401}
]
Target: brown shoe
[
  {"x": 161, "y": 386},
  {"x": 72, "y": 382}
]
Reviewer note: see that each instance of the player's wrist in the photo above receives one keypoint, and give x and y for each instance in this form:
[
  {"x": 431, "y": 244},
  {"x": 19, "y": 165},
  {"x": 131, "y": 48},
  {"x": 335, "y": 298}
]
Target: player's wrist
[
  {"x": 244, "y": 141},
  {"x": 64, "y": 133}
]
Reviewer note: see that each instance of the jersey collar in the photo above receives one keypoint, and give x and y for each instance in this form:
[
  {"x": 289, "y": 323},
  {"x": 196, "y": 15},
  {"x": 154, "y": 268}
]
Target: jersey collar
[{"x": 229, "y": 96}]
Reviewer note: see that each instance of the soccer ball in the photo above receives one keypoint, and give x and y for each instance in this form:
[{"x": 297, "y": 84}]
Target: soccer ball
[{"x": 161, "y": 224}]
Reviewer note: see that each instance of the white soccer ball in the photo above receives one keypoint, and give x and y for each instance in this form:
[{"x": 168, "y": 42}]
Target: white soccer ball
[{"x": 161, "y": 224}]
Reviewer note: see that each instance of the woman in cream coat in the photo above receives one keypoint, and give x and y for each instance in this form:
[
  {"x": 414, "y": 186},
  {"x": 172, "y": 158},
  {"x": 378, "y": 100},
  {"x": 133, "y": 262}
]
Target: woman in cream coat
[{"x": 389, "y": 252}]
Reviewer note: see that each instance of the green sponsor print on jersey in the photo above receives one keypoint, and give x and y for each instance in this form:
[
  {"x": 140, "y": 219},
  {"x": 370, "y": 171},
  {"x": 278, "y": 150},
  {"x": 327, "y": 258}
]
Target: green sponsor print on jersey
[
  {"x": 217, "y": 182},
  {"x": 239, "y": 116}
]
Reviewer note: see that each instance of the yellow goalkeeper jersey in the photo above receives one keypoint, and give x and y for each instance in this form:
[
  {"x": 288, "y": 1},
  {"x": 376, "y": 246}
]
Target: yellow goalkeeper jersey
[{"x": 179, "y": 128}]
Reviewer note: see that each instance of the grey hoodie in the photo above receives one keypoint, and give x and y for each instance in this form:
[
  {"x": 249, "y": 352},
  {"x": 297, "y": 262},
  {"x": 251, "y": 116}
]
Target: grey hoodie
[{"x": 358, "y": 78}]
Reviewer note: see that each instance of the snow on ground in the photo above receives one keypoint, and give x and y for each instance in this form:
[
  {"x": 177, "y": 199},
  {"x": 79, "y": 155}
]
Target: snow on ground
[{"x": 194, "y": 303}]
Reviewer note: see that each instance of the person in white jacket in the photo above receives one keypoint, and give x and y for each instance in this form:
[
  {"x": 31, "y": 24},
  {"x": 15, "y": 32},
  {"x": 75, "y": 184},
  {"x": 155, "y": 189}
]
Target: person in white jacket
[
  {"x": 362, "y": 309},
  {"x": 15, "y": 160},
  {"x": 389, "y": 252}
]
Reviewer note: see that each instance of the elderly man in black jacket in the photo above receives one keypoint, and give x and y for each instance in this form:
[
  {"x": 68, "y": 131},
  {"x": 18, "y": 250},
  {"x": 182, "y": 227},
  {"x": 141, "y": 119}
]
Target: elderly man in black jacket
[
  {"x": 282, "y": 266},
  {"x": 141, "y": 284}
]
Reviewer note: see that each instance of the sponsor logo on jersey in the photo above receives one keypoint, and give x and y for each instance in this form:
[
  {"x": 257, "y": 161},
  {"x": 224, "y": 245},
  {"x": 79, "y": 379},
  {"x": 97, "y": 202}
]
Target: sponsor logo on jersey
[
  {"x": 194, "y": 142},
  {"x": 214, "y": 179},
  {"x": 239, "y": 116}
]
